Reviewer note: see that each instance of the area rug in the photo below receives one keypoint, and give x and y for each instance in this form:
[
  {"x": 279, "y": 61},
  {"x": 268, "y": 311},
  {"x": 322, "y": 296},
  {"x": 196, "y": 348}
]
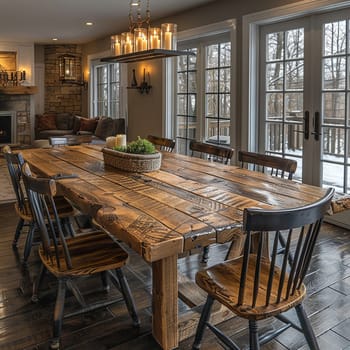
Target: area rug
[{"x": 6, "y": 191}]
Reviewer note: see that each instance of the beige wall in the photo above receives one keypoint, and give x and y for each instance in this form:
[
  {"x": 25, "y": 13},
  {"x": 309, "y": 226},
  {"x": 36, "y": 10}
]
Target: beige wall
[
  {"x": 39, "y": 54},
  {"x": 145, "y": 110}
]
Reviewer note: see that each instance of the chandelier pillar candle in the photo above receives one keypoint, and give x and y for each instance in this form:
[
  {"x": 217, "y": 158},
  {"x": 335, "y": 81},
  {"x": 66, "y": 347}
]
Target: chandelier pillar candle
[
  {"x": 127, "y": 42},
  {"x": 140, "y": 39},
  {"x": 116, "y": 45},
  {"x": 169, "y": 36},
  {"x": 154, "y": 38}
]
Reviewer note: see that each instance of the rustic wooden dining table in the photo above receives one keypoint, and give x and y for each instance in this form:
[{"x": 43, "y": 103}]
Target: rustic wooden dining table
[{"x": 188, "y": 203}]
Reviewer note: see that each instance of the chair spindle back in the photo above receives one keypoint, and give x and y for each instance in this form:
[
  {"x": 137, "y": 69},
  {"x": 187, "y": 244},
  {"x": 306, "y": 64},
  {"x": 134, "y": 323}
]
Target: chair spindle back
[
  {"x": 303, "y": 225},
  {"x": 14, "y": 163},
  {"x": 162, "y": 143},
  {"x": 40, "y": 193},
  {"x": 212, "y": 152},
  {"x": 279, "y": 166}
]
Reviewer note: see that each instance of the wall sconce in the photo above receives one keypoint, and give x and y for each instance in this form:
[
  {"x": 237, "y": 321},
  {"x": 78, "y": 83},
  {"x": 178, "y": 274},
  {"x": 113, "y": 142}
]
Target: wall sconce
[
  {"x": 69, "y": 66},
  {"x": 145, "y": 86}
]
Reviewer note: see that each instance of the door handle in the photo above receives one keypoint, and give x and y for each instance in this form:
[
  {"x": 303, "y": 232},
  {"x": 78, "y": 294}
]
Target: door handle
[
  {"x": 317, "y": 127},
  {"x": 306, "y": 125}
]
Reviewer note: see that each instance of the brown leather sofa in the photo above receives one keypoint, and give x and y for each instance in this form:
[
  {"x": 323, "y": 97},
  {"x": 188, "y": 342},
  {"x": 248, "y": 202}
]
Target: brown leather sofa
[{"x": 60, "y": 124}]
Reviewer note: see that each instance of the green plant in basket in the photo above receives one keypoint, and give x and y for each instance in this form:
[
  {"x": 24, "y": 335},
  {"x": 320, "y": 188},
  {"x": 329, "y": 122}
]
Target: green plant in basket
[{"x": 139, "y": 146}]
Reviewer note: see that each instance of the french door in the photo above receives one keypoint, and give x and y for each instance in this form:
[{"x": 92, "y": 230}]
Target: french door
[{"x": 304, "y": 96}]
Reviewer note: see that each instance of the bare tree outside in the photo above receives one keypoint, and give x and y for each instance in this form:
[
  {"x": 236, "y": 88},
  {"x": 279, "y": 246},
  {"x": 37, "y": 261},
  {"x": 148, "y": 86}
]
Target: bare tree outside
[
  {"x": 216, "y": 97},
  {"x": 284, "y": 91}
]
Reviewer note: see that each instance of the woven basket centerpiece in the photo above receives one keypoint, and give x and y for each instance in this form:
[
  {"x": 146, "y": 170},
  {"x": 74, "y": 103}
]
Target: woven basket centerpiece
[{"x": 138, "y": 163}]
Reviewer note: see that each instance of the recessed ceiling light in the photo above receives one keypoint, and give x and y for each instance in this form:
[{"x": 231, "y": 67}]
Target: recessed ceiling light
[
  {"x": 89, "y": 23},
  {"x": 54, "y": 39}
]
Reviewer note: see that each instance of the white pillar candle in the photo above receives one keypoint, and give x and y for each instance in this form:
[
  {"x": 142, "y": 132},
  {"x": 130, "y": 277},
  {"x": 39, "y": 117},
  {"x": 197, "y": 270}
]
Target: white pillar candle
[
  {"x": 115, "y": 45},
  {"x": 110, "y": 141},
  {"x": 117, "y": 49},
  {"x": 155, "y": 42},
  {"x": 168, "y": 38},
  {"x": 144, "y": 44},
  {"x": 154, "y": 38},
  {"x": 138, "y": 46},
  {"x": 128, "y": 47},
  {"x": 120, "y": 140}
]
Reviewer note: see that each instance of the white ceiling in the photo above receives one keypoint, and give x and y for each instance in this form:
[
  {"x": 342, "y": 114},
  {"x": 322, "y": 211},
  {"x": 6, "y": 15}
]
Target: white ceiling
[{"x": 38, "y": 21}]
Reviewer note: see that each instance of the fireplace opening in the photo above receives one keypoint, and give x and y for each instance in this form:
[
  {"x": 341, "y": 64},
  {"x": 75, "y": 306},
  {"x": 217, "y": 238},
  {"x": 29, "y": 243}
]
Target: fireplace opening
[{"x": 7, "y": 127}]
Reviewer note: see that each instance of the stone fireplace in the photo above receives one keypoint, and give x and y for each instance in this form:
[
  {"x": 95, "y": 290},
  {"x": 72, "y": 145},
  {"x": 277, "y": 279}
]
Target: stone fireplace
[
  {"x": 18, "y": 107},
  {"x": 17, "y": 97},
  {"x": 8, "y": 134}
]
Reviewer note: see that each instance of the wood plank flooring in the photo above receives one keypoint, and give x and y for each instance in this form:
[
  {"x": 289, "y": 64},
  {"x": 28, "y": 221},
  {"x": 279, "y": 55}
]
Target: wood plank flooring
[{"x": 24, "y": 325}]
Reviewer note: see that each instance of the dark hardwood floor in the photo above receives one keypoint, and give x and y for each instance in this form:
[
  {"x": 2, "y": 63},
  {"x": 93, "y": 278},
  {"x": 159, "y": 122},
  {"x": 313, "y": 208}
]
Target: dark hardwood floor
[{"x": 24, "y": 325}]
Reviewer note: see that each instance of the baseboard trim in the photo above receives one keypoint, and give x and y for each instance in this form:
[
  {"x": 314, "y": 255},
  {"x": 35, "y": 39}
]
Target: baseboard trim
[{"x": 341, "y": 219}]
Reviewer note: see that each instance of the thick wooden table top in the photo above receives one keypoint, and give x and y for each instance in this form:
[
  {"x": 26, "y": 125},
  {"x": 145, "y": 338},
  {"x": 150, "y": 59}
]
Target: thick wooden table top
[{"x": 188, "y": 203}]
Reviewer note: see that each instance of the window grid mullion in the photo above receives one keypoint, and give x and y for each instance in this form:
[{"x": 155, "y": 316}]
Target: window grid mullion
[{"x": 202, "y": 61}]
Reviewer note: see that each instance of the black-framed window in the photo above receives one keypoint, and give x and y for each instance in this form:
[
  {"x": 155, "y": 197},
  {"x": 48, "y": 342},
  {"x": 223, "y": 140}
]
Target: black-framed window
[
  {"x": 186, "y": 106},
  {"x": 218, "y": 93},
  {"x": 203, "y": 99}
]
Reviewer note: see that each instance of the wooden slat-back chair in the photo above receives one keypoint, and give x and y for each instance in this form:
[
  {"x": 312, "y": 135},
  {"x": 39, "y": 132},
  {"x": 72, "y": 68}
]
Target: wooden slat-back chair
[
  {"x": 277, "y": 166},
  {"x": 254, "y": 286},
  {"x": 162, "y": 143},
  {"x": 70, "y": 258},
  {"x": 212, "y": 152},
  {"x": 66, "y": 211}
]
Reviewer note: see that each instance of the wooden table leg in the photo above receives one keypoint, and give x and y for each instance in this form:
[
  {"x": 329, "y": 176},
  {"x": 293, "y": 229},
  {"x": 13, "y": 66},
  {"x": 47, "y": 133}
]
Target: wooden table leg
[{"x": 164, "y": 302}]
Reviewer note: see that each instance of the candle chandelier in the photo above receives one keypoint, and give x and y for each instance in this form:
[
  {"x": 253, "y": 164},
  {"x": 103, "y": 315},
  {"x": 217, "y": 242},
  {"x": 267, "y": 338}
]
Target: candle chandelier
[{"x": 142, "y": 37}]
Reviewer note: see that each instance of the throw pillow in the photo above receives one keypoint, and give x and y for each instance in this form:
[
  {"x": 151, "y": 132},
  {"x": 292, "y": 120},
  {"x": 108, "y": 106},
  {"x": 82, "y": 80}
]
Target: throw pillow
[
  {"x": 46, "y": 122},
  {"x": 64, "y": 121},
  {"x": 76, "y": 124},
  {"x": 105, "y": 128},
  {"x": 88, "y": 124},
  {"x": 120, "y": 126}
]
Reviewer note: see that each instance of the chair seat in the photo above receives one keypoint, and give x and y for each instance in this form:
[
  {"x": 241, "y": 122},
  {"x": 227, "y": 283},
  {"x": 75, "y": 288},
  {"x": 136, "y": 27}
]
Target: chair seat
[
  {"x": 24, "y": 212},
  {"x": 90, "y": 253},
  {"x": 222, "y": 282}
]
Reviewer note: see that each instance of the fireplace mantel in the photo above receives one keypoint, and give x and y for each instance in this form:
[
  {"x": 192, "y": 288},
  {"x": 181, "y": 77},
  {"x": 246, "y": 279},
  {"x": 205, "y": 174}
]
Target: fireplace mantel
[{"x": 18, "y": 90}]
